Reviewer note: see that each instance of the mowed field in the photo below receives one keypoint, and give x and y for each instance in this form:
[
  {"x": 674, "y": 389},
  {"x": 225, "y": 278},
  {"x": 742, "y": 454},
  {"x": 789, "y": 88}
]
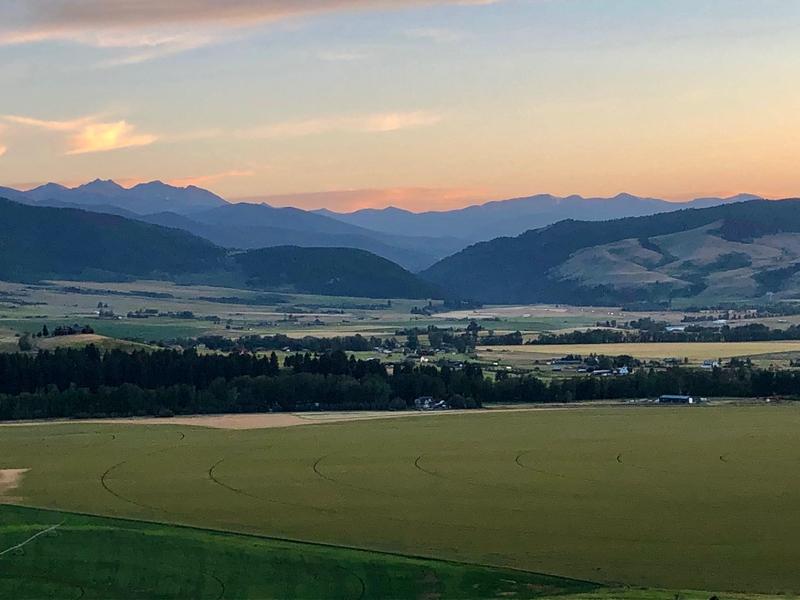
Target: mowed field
[{"x": 698, "y": 498}]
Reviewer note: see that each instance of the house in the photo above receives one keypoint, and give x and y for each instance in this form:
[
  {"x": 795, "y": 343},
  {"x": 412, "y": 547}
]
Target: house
[
  {"x": 674, "y": 399},
  {"x": 430, "y": 403}
]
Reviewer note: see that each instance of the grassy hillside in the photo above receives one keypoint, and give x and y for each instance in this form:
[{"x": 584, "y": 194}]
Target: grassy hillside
[{"x": 735, "y": 251}]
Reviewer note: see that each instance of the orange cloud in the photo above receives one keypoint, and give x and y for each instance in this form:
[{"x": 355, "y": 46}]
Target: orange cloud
[
  {"x": 88, "y": 134},
  {"x": 372, "y": 123},
  {"x": 102, "y": 137},
  {"x": 3, "y": 149},
  {"x": 415, "y": 199}
]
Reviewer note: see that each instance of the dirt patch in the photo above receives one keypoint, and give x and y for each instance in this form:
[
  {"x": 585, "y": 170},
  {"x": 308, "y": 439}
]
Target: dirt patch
[
  {"x": 9, "y": 481},
  {"x": 273, "y": 420},
  {"x": 261, "y": 420}
]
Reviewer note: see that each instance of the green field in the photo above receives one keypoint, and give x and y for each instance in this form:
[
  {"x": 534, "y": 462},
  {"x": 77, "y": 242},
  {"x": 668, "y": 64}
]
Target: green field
[
  {"x": 90, "y": 557},
  {"x": 678, "y": 498}
]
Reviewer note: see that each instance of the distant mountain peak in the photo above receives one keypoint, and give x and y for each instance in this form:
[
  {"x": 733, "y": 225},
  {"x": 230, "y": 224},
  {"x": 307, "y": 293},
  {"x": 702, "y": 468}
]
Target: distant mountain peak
[{"x": 103, "y": 187}]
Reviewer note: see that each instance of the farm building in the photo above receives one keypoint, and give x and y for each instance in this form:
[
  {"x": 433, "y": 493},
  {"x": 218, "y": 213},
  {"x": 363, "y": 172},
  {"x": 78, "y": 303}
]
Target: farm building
[
  {"x": 429, "y": 403},
  {"x": 670, "y": 399}
]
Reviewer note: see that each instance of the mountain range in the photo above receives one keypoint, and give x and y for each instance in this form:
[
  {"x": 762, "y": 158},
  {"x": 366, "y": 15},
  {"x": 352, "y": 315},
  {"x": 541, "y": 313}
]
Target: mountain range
[
  {"x": 39, "y": 242},
  {"x": 511, "y": 217},
  {"x": 414, "y": 240},
  {"x": 738, "y": 250},
  {"x": 729, "y": 253}
]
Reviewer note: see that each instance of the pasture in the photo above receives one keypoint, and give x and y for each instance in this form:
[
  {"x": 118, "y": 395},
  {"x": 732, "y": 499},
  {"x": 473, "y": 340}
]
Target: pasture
[{"x": 669, "y": 498}]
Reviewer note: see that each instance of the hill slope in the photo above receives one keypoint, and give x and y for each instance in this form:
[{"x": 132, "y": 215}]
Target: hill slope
[
  {"x": 331, "y": 271},
  {"x": 724, "y": 253},
  {"x": 39, "y": 243}
]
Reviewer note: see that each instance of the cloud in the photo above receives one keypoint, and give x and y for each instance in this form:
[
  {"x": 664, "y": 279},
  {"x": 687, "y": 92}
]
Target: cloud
[
  {"x": 417, "y": 199},
  {"x": 89, "y": 134},
  {"x": 3, "y": 149},
  {"x": 200, "y": 180},
  {"x": 371, "y": 123},
  {"x": 164, "y": 27},
  {"x": 435, "y": 34},
  {"x": 50, "y": 125},
  {"x": 102, "y": 137},
  {"x": 341, "y": 56}
]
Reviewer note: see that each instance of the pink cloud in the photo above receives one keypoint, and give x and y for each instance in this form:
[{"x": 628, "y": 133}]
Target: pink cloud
[
  {"x": 162, "y": 27},
  {"x": 369, "y": 123},
  {"x": 200, "y": 180}
]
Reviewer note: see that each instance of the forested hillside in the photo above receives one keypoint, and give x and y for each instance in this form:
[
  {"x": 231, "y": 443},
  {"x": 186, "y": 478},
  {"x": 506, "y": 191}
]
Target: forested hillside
[{"x": 64, "y": 243}]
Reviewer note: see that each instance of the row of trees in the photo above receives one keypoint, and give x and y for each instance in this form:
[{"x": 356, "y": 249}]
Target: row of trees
[
  {"x": 261, "y": 343},
  {"x": 754, "y": 332},
  {"x": 84, "y": 383}
]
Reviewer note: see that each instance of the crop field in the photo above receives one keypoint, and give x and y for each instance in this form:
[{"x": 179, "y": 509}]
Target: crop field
[
  {"x": 693, "y": 351},
  {"x": 662, "y": 498}
]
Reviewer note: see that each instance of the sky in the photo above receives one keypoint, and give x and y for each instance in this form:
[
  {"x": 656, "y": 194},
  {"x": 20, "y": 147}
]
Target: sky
[{"x": 422, "y": 104}]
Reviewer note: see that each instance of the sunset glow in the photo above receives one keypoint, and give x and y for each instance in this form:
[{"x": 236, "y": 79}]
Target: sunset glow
[{"x": 422, "y": 104}]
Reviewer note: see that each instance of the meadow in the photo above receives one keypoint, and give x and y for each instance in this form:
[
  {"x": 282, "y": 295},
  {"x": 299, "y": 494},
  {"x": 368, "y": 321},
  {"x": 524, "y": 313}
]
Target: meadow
[{"x": 662, "y": 498}]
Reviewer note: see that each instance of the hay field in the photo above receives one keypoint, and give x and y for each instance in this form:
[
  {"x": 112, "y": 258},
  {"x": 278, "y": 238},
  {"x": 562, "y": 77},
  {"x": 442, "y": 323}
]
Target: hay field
[
  {"x": 693, "y": 351},
  {"x": 676, "y": 498}
]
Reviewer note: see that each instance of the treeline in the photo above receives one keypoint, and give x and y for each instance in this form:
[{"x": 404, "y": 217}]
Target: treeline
[
  {"x": 753, "y": 332},
  {"x": 89, "y": 368},
  {"x": 266, "y": 343},
  {"x": 73, "y": 383},
  {"x": 84, "y": 383}
]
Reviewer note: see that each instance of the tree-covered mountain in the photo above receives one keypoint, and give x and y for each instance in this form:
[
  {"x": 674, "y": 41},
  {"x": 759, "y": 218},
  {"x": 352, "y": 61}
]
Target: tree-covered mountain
[
  {"x": 44, "y": 242},
  {"x": 745, "y": 250},
  {"x": 66, "y": 243},
  {"x": 233, "y": 225},
  {"x": 414, "y": 240},
  {"x": 331, "y": 271}
]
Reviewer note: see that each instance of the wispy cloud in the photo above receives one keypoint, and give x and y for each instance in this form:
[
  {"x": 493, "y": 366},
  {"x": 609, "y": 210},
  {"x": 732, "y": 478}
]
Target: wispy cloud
[
  {"x": 3, "y": 149},
  {"x": 199, "y": 180},
  {"x": 90, "y": 133},
  {"x": 160, "y": 27},
  {"x": 435, "y": 34},
  {"x": 341, "y": 56},
  {"x": 417, "y": 199},
  {"x": 371, "y": 123}
]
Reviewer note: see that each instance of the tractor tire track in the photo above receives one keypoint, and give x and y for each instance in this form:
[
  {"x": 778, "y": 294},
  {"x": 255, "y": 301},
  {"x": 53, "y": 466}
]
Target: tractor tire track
[
  {"x": 107, "y": 473},
  {"x": 215, "y": 479}
]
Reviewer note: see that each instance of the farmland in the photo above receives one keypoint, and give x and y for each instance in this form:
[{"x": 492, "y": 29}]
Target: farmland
[
  {"x": 663, "y": 498},
  {"x": 695, "y": 352}
]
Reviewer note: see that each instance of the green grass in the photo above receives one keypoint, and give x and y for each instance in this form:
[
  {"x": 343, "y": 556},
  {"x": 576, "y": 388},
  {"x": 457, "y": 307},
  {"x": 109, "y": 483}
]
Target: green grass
[
  {"x": 666, "y": 498},
  {"x": 92, "y": 557}
]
